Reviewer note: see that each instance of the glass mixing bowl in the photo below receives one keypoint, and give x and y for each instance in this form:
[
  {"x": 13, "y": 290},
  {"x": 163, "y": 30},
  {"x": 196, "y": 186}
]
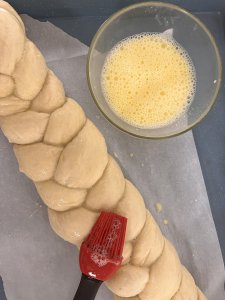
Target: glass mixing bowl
[{"x": 188, "y": 31}]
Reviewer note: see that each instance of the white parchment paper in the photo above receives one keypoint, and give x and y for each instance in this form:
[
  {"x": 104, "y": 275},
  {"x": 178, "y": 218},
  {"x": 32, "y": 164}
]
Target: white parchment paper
[{"x": 35, "y": 264}]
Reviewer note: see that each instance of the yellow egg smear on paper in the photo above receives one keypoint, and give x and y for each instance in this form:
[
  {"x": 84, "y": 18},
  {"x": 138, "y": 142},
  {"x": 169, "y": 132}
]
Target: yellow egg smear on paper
[{"x": 148, "y": 80}]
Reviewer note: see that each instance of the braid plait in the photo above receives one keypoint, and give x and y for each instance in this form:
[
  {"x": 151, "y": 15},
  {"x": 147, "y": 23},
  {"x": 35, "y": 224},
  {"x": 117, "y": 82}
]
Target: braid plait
[{"x": 66, "y": 157}]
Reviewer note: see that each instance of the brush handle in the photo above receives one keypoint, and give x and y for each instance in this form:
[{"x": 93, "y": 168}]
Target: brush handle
[{"x": 87, "y": 288}]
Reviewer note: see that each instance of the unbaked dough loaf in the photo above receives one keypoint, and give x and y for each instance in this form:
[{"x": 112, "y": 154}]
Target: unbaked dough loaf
[{"x": 66, "y": 156}]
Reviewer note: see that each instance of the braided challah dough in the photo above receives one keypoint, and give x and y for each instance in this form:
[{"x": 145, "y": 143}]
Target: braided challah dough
[{"x": 66, "y": 156}]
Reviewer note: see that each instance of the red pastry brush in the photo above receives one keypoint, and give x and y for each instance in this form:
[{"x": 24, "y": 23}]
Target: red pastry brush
[{"x": 101, "y": 254}]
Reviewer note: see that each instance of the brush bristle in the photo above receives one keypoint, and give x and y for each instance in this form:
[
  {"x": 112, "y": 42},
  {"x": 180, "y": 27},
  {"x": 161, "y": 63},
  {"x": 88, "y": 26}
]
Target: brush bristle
[{"x": 108, "y": 235}]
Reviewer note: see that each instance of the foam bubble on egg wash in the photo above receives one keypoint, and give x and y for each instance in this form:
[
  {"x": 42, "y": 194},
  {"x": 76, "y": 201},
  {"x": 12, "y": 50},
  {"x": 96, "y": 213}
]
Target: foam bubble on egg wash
[{"x": 149, "y": 80}]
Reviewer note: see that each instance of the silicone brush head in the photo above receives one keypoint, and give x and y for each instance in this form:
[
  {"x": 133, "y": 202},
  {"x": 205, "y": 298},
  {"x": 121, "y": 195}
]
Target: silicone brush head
[{"x": 101, "y": 252}]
